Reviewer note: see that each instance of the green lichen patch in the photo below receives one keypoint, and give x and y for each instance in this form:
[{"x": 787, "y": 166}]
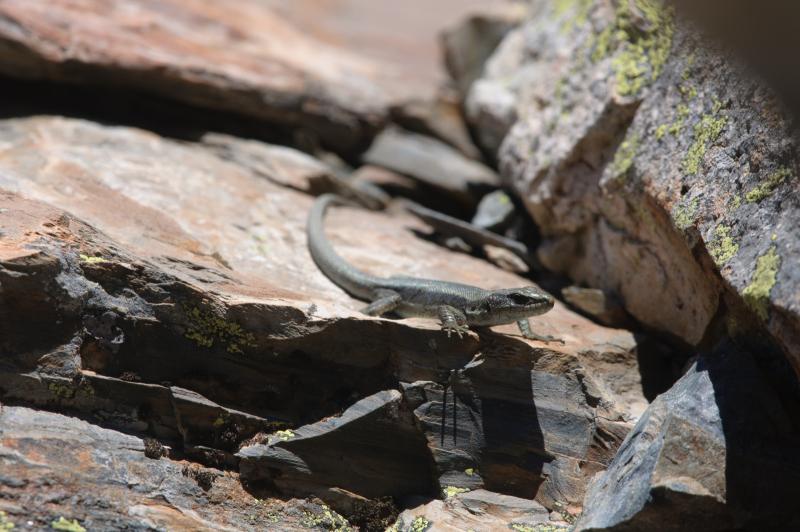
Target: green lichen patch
[
  {"x": 452, "y": 491},
  {"x": 5, "y": 523},
  {"x": 326, "y": 519},
  {"x": 722, "y": 247},
  {"x": 420, "y": 524},
  {"x": 70, "y": 525},
  {"x": 683, "y": 214},
  {"x": 623, "y": 158},
  {"x": 469, "y": 471},
  {"x": 284, "y": 435},
  {"x": 641, "y": 35},
  {"x": 206, "y": 328},
  {"x": 768, "y": 186},
  {"x": 88, "y": 259},
  {"x": 706, "y": 131},
  {"x": 543, "y": 527},
  {"x": 756, "y": 294},
  {"x": 576, "y": 11}
]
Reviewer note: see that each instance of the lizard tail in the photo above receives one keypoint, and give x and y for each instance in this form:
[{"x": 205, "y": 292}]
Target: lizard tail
[{"x": 353, "y": 281}]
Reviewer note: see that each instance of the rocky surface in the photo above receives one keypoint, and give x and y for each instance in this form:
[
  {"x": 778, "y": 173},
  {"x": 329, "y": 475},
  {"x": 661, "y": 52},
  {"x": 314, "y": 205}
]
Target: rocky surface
[
  {"x": 186, "y": 308},
  {"x": 171, "y": 358},
  {"x": 716, "y": 452},
  {"x": 240, "y": 58},
  {"x": 656, "y": 169}
]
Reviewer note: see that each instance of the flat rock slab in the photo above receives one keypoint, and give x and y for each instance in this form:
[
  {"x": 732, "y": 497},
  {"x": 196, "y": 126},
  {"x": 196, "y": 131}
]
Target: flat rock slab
[
  {"x": 237, "y": 57},
  {"x": 165, "y": 288},
  {"x": 59, "y": 468}
]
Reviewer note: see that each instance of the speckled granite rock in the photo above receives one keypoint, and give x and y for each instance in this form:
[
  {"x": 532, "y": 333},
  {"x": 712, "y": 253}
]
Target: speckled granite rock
[{"x": 656, "y": 169}]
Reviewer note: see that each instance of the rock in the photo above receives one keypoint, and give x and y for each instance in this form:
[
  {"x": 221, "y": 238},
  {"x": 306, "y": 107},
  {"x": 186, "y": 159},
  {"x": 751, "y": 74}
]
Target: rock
[
  {"x": 656, "y": 170},
  {"x": 57, "y": 468},
  {"x": 438, "y": 117},
  {"x": 715, "y": 452},
  {"x": 177, "y": 301},
  {"x": 495, "y": 212},
  {"x": 433, "y": 163},
  {"x": 468, "y": 44},
  {"x": 478, "y": 510},
  {"x": 597, "y": 305},
  {"x": 243, "y": 59},
  {"x": 373, "y": 450}
]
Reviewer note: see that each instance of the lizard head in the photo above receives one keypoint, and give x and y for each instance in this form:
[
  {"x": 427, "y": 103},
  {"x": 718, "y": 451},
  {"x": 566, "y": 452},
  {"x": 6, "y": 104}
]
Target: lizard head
[{"x": 507, "y": 306}]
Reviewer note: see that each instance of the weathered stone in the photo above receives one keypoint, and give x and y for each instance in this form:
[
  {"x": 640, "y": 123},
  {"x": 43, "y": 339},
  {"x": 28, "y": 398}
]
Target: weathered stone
[
  {"x": 190, "y": 311},
  {"x": 434, "y": 163},
  {"x": 373, "y": 450},
  {"x": 597, "y": 304},
  {"x": 478, "y": 510},
  {"x": 240, "y": 58},
  {"x": 468, "y": 44},
  {"x": 56, "y": 468},
  {"x": 439, "y": 117},
  {"x": 653, "y": 166},
  {"x": 715, "y": 452}
]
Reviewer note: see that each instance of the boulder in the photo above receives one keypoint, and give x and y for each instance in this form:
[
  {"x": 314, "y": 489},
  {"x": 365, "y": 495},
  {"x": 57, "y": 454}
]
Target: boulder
[
  {"x": 656, "y": 169},
  {"x": 715, "y": 452}
]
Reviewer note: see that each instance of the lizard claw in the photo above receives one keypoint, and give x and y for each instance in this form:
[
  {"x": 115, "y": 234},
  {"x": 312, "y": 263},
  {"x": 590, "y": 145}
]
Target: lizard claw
[{"x": 460, "y": 330}]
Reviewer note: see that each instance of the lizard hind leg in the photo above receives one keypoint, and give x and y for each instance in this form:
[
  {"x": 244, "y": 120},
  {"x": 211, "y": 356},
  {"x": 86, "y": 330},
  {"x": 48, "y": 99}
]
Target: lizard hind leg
[{"x": 386, "y": 301}]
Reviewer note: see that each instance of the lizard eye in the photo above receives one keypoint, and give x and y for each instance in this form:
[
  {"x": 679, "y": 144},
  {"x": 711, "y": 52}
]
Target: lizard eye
[{"x": 519, "y": 299}]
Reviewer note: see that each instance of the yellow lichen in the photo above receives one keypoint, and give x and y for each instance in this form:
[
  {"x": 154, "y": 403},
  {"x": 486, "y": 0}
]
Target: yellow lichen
[
  {"x": 327, "y": 519},
  {"x": 5, "y": 523},
  {"x": 469, "y": 471},
  {"x": 766, "y": 188},
  {"x": 756, "y": 294},
  {"x": 684, "y": 214},
  {"x": 284, "y": 435},
  {"x": 93, "y": 260},
  {"x": 71, "y": 525},
  {"x": 722, "y": 247},
  {"x": 641, "y": 34},
  {"x": 205, "y": 328},
  {"x": 706, "y": 132},
  {"x": 452, "y": 491},
  {"x": 420, "y": 524},
  {"x": 623, "y": 158}
]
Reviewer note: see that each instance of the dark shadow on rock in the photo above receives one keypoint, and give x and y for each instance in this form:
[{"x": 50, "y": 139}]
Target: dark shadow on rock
[{"x": 762, "y": 438}]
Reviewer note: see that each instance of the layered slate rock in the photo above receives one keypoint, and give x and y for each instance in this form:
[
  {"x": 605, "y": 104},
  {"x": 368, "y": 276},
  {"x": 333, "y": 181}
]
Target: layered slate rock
[
  {"x": 433, "y": 163},
  {"x": 716, "y": 452},
  {"x": 165, "y": 289},
  {"x": 60, "y": 469},
  {"x": 239, "y": 57},
  {"x": 656, "y": 169},
  {"x": 476, "y": 510},
  {"x": 373, "y": 449}
]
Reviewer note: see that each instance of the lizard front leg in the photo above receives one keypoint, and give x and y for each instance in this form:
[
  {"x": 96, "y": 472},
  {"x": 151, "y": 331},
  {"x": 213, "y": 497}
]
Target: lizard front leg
[
  {"x": 453, "y": 321},
  {"x": 387, "y": 301},
  {"x": 527, "y": 332}
]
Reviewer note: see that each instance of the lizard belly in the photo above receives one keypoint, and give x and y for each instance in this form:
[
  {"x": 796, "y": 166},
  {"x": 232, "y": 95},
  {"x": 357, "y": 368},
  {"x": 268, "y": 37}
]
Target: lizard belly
[{"x": 410, "y": 309}]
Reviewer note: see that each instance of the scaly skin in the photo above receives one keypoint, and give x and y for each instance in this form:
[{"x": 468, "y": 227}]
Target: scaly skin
[{"x": 457, "y": 306}]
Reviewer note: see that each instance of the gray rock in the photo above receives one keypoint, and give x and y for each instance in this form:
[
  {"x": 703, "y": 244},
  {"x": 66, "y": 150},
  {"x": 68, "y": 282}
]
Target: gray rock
[
  {"x": 715, "y": 452},
  {"x": 372, "y": 449},
  {"x": 432, "y": 162},
  {"x": 495, "y": 211},
  {"x": 656, "y": 169},
  {"x": 468, "y": 44}
]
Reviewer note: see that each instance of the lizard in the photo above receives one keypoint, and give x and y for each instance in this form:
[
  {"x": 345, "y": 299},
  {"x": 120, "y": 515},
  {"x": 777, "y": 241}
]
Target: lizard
[{"x": 457, "y": 306}]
